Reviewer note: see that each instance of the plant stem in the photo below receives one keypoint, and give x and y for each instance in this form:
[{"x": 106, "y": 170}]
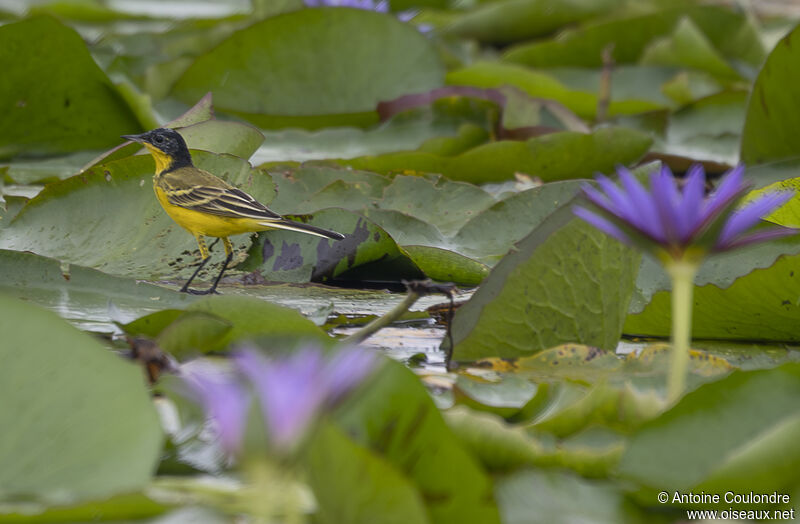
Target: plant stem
[
  {"x": 682, "y": 274},
  {"x": 381, "y": 322}
]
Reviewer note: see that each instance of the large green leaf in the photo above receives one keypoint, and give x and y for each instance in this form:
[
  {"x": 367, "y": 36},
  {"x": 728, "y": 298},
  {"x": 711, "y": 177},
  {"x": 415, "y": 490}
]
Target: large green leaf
[
  {"x": 121, "y": 228},
  {"x": 748, "y": 294},
  {"x": 396, "y": 418},
  {"x": 773, "y": 114},
  {"x": 727, "y": 435},
  {"x": 308, "y": 66},
  {"x": 251, "y": 317},
  {"x": 707, "y": 129},
  {"x": 520, "y": 213},
  {"x": 542, "y": 84},
  {"x": 556, "y": 156},
  {"x": 367, "y": 252},
  {"x": 731, "y": 33},
  {"x": 564, "y": 282},
  {"x": 543, "y": 497},
  {"x": 688, "y": 47},
  {"x": 435, "y": 200},
  {"x": 77, "y": 420},
  {"x": 84, "y": 296},
  {"x": 120, "y": 507},
  {"x": 516, "y": 20},
  {"x": 353, "y": 484},
  {"x": 55, "y": 98},
  {"x": 308, "y": 188}
]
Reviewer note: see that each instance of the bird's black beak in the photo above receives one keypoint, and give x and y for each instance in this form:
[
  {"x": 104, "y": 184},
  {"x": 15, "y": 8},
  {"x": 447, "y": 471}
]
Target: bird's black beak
[{"x": 136, "y": 138}]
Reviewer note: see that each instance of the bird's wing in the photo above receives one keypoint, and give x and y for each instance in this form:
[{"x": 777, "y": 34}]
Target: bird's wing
[{"x": 196, "y": 191}]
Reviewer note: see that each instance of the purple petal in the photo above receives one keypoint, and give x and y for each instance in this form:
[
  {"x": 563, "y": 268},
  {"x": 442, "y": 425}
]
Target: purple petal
[
  {"x": 730, "y": 188},
  {"x": 602, "y": 224},
  {"x": 347, "y": 368},
  {"x": 407, "y": 16},
  {"x": 601, "y": 200},
  {"x": 288, "y": 389},
  {"x": 623, "y": 207},
  {"x": 745, "y": 218},
  {"x": 692, "y": 202},
  {"x": 759, "y": 236},
  {"x": 646, "y": 215},
  {"x": 667, "y": 200},
  {"x": 223, "y": 399}
]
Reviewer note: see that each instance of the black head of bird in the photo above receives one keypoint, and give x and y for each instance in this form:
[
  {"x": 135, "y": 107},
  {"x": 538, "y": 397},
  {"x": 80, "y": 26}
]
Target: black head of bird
[{"x": 167, "y": 147}]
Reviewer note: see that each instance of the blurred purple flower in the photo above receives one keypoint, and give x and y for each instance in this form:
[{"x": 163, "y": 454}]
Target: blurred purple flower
[
  {"x": 370, "y": 5},
  {"x": 381, "y": 7},
  {"x": 668, "y": 222},
  {"x": 291, "y": 391},
  {"x": 223, "y": 398}
]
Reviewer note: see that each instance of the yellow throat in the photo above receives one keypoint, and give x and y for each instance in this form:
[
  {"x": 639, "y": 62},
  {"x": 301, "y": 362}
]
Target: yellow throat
[{"x": 163, "y": 160}]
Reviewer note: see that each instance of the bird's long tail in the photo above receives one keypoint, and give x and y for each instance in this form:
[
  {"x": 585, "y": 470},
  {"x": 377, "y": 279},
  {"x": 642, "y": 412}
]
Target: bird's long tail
[{"x": 302, "y": 228}]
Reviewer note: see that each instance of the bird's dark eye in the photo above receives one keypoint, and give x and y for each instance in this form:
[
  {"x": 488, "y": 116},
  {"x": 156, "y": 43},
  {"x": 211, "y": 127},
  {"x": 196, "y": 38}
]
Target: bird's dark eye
[{"x": 159, "y": 138}]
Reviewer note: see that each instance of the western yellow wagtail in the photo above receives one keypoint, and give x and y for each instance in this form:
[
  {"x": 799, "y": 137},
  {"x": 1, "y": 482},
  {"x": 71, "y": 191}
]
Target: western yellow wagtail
[{"x": 206, "y": 205}]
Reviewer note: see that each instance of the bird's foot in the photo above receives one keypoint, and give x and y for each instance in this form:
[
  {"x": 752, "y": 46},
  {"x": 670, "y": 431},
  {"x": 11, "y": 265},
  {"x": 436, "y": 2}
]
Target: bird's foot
[{"x": 209, "y": 291}]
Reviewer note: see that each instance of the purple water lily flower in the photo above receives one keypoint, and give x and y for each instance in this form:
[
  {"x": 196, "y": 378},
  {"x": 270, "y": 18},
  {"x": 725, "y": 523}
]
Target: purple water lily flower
[
  {"x": 370, "y": 5},
  {"x": 382, "y": 7},
  {"x": 224, "y": 400},
  {"x": 673, "y": 224},
  {"x": 291, "y": 391}
]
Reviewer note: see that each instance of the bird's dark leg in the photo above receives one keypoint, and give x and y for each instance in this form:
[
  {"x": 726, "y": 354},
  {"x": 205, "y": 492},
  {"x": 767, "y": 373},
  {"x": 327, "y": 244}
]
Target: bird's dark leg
[
  {"x": 228, "y": 258},
  {"x": 203, "y": 253}
]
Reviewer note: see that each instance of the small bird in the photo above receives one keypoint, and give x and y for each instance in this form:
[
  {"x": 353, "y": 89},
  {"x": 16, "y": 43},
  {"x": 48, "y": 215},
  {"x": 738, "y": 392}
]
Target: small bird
[{"x": 206, "y": 205}]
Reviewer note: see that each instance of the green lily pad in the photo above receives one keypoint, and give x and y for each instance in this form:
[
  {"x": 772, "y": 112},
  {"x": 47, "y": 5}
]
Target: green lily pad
[
  {"x": 517, "y": 20},
  {"x": 351, "y": 483},
  {"x": 193, "y": 332},
  {"x": 446, "y": 204},
  {"x": 251, "y": 317},
  {"x": 731, "y": 33},
  {"x": 367, "y": 252},
  {"x": 504, "y": 447},
  {"x": 748, "y": 294},
  {"x": 396, "y": 417},
  {"x": 565, "y": 282},
  {"x": 727, "y": 422},
  {"x": 70, "y": 406},
  {"x": 556, "y": 156},
  {"x": 407, "y": 230},
  {"x": 542, "y": 84},
  {"x": 309, "y": 188},
  {"x": 84, "y": 296},
  {"x": 218, "y": 136},
  {"x": 770, "y": 128},
  {"x": 708, "y": 129},
  {"x": 58, "y": 100},
  {"x": 557, "y": 496},
  {"x": 446, "y": 266},
  {"x": 351, "y": 60},
  {"x": 688, "y": 47},
  {"x": 520, "y": 213},
  {"x": 215, "y": 322},
  {"x": 119, "y": 507}
]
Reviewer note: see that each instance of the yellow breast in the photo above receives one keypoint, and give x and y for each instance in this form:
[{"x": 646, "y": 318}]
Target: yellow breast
[{"x": 203, "y": 223}]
